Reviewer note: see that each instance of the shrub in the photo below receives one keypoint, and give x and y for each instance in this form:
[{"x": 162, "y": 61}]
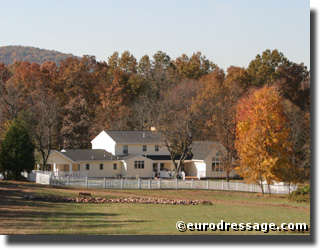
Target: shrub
[{"x": 301, "y": 194}]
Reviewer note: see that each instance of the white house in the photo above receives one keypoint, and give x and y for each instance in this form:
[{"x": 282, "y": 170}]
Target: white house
[{"x": 137, "y": 154}]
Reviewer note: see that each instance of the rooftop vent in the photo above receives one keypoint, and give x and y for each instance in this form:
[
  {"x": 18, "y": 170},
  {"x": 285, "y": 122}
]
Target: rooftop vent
[{"x": 143, "y": 135}]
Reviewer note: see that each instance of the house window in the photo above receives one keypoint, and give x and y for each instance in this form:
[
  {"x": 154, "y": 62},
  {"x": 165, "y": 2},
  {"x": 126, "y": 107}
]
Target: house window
[
  {"x": 125, "y": 149},
  {"x": 78, "y": 167},
  {"x": 87, "y": 166},
  {"x": 144, "y": 148},
  {"x": 217, "y": 163},
  {"x": 115, "y": 166},
  {"x": 139, "y": 164},
  {"x": 155, "y": 167},
  {"x": 156, "y": 148},
  {"x": 101, "y": 166},
  {"x": 161, "y": 166},
  {"x": 182, "y": 167}
]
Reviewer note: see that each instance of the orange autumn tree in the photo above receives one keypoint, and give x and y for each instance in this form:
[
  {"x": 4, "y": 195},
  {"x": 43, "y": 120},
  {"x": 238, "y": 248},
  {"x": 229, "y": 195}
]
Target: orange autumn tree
[{"x": 262, "y": 142}]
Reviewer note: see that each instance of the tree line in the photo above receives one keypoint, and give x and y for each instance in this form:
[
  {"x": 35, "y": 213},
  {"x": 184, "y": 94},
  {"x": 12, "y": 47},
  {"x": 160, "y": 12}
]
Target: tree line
[
  {"x": 187, "y": 99},
  {"x": 11, "y": 54}
]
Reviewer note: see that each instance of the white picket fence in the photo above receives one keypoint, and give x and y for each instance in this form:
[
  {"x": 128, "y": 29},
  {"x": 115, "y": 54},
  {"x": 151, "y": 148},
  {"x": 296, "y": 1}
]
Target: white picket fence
[
  {"x": 86, "y": 182},
  {"x": 34, "y": 173}
]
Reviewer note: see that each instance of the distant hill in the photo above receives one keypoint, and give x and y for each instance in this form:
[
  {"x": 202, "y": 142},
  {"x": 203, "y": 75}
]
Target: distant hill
[{"x": 11, "y": 54}]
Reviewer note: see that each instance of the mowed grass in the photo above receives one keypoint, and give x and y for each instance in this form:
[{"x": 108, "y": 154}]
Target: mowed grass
[{"x": 19, "y": 216}]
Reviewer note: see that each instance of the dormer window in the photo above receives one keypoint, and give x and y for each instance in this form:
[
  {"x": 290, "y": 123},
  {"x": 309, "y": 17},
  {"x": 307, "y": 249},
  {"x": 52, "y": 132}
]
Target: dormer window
[
  {"x": 144, "y": 148},
  {"x": 125, "y": 149}
]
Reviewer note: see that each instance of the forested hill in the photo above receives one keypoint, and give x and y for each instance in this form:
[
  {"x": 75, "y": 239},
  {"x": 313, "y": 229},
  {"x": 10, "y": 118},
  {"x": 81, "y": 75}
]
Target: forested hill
[{"x": 11, "y": 54}]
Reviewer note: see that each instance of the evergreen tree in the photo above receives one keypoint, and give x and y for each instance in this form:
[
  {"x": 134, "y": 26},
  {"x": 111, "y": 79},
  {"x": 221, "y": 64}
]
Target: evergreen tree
[{"x": 16, "y": 151}]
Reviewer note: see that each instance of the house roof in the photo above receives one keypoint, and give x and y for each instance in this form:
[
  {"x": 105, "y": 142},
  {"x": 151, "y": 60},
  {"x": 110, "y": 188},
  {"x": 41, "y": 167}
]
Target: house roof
[
  {"x": 165, "y": 157},
  {"x": 128, "y": 157},
  {"x": 201, "y": 149},
  {"x": 88, "y": 154},
  {"x": 134, "y": 136}
]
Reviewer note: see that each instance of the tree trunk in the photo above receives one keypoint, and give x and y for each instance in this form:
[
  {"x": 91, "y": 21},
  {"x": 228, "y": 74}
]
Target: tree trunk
[
  {"x": 17, "y": 174},
  {"x": 261, "y": 184},
  {"x": 269, "y": 189}
]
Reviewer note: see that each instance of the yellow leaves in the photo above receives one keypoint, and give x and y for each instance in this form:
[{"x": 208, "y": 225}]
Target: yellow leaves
[{"x": 262, "y": 136}]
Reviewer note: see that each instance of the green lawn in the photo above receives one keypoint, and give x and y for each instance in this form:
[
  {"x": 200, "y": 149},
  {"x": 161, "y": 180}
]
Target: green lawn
[{"x": 19, "y": 216}]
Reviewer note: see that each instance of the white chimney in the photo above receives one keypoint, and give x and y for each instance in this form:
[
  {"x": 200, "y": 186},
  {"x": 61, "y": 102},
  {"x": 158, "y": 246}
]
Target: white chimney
[{"x": 143, "y": 135}]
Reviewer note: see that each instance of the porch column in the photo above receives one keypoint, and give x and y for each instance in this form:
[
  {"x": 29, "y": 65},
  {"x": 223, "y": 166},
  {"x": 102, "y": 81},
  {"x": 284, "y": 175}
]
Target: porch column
[
  {"x": 54, "y": 167},
  {"x": 159, "y": 167},
  {"x": 70, "y": 169}
]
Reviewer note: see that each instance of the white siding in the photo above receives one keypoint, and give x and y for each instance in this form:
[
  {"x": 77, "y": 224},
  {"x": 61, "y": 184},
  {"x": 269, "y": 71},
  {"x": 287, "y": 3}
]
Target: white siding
[
  {"x": 58, "y": 158},
  {"x": 104, "y": 141},
  {"x": 208, "y": 162},
  {"x": 108, "y": 171},
  {"x": 201, "y": 166},
  {"x": 147, "y": 172},
  {"x": 136, "y": 149},
  {"x": 190, "y": 169}
]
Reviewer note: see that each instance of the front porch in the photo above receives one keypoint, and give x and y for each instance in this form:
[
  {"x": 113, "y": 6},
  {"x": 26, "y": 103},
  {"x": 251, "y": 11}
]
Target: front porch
[
  {"x": 165, "y": 169},
  {"x": 64, "y": 170}
]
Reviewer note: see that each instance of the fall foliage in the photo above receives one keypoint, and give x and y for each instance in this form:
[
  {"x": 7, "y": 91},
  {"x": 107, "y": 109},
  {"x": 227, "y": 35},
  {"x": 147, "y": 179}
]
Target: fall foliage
[
  {"x": 263, "y": 142},
  {"x": 261, "y": 114}
]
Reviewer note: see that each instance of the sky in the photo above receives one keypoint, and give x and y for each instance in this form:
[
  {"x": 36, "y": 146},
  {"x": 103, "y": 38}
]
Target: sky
[{"x": 227, "y": 32}]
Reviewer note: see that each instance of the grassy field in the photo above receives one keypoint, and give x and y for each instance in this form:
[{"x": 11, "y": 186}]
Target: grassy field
[{"x": 19, "y": 216}]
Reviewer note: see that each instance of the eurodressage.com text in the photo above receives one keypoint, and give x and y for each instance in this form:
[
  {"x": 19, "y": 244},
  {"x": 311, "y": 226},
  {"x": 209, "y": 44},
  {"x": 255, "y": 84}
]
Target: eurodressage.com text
[{"x": 224, "y": 226}]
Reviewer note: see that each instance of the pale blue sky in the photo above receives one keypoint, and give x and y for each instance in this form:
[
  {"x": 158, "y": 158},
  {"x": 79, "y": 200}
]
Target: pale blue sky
[{"x": 228, "y": 32}]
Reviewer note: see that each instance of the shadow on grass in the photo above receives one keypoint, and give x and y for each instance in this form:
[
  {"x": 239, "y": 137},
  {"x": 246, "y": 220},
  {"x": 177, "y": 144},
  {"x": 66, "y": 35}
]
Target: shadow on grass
[{"x": 26, "y": 214}]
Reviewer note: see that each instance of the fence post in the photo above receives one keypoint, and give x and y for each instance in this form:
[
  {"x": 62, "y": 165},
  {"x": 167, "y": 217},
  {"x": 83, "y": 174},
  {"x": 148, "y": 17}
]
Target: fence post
[
  {"x": 237, "y": 187},
  {"x": 150, "y": 183},
  {"x": 159, "y": 183},
  {"x": 86, "y": 182},
  {"x": 49, "y": 179},
  {"x": 176, "y": 183},
  {"x": 139, "y": 183},
  {"x": 104, "y": 182},
  {"x": 121, "y": 183},
  {"x": 207, "y": 183},
  {"x": 192, "y": 184},
  {"x": 68, "y": 181},
  {"x": 222, "y": 185}
]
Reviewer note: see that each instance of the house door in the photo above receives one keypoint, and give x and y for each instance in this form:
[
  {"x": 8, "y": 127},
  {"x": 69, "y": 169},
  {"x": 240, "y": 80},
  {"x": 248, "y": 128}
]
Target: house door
[{"x": 155, "y": 168}]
